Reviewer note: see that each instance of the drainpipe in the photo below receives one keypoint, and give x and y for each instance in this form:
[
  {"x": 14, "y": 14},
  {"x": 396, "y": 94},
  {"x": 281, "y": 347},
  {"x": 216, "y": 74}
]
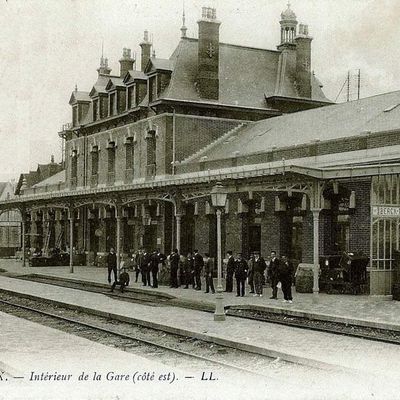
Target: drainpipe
[{"x": 173, "y": 142}]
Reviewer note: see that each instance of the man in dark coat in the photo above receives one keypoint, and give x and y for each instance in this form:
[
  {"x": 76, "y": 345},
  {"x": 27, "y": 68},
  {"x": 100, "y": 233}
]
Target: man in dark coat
[
  {"x": 250, "y": 272},
  {"x": 188, "y": 271},
  {"x": 112, "y": 264},
  {"x": 241, "y": 269},
  {"x": 273, "y": 274},
  {"x": 286, "y": 276},
  {"x": 138, "y": 262},
  {"x": 154, "y": 261},
  {"x": 258, "y": 268},
  {"x": 230, "y": 269},
  {"x": 144, "y": 268},
  {"x": 208, "y": 273},
  {"x": 123, "y": 280},
  {"x": 198, "y": 267},
  {"x": 174, "y": 259}
]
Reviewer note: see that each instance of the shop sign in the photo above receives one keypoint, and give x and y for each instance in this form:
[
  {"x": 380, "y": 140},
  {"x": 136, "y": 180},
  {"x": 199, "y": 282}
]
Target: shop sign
[{"x": 386, "y": 211}]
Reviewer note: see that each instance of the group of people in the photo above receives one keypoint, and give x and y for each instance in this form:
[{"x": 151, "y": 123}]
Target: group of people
[{"x": 187, "y": 271}]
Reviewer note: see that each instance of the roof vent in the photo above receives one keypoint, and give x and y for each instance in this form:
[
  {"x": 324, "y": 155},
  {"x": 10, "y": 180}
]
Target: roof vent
[{"x": 392, "y": 107}]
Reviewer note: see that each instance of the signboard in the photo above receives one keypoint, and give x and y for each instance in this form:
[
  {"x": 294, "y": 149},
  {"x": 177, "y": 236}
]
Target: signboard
[{"x": 386, "y": 211}]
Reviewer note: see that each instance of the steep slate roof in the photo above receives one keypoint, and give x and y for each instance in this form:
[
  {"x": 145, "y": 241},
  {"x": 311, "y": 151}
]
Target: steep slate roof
[
  {"x": 3, "y": 185},
  {"x": 246, "y": 75},
  {"x": 101, "y": 83},
  {"x": 373, "y": 114},
  {"x": 159, "y": 64},
  {"x": 132, "y": 74},
  {"x": 52, "y": 180},
  {"x": 79, "y": 96},
  {"x": 114, "y": 82}
]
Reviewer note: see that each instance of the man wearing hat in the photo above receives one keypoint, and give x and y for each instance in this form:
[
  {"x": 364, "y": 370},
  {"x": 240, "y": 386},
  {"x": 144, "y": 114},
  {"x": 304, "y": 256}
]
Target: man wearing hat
[
  {"x": 259, "y": 268},
  {"x": 240, "y": 275}
]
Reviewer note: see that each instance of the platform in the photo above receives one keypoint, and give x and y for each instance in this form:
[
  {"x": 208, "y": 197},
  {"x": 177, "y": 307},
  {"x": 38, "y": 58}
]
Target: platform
[
  {"x": 351, "y": 309},
  {"x": 340, "y": 353}
]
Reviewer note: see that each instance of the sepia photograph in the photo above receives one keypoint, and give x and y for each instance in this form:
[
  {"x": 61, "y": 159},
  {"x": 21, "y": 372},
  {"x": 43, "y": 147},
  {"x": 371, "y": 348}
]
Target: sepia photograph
[{"x": 199, "y": 199}]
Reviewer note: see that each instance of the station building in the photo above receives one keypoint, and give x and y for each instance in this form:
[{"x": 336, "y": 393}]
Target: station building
[
  {"x": 10, "y": 223},
  {"x": 145, "y": 147}
]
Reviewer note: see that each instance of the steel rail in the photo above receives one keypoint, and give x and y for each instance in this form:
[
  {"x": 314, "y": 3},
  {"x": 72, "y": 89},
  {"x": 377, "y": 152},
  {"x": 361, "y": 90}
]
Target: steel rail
[
  {"x": 231, "y": 312},
  {"x": 134, "y": 338}
]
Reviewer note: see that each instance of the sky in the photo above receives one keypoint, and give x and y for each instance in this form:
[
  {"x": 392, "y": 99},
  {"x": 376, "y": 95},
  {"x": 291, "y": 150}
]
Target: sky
[{"x": 49, "y": 46}]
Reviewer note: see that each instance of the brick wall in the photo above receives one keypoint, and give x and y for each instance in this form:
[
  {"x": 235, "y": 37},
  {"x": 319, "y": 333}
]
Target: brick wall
[
  {"x": 360, "y": 224},
  {"x": 194, "y": 133}
]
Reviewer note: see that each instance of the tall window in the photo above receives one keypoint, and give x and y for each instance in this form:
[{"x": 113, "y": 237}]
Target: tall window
[
  {"x": 95, "y": 160},
  {"x": 111, "y": 157},
  {"x": 151, "y": 147},
  {"x": 130, "y": 96},
  {"x": 74, "y": 164},
  {"x": 95, "y": 109},
  {"x": 111, "y": 110},
  {"x": 129, "y": 154}
]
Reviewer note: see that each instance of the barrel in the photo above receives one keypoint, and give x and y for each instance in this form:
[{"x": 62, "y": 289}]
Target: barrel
[{"x": 304, "y": 278}]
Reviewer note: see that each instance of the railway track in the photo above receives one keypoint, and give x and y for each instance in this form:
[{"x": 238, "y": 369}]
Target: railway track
[
  {"x": 159, "y": 299},
  {"x": 161, "y": 345}
]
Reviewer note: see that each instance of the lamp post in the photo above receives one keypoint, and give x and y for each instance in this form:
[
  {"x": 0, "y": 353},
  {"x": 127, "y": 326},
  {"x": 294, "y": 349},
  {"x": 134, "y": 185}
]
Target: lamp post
[{"x": 218, "y": 199}]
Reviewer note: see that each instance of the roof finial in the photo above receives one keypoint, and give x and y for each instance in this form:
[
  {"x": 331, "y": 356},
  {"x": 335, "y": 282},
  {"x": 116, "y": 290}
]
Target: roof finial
[
  {"x": 76, "y": 87},
  {"x": 183, "y": 28}
]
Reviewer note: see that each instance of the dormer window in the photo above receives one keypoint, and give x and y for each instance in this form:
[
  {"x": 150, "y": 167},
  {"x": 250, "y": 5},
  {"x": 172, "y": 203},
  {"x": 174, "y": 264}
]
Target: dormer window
[
  {"x": 95, "y": 110},
  {"x": 112, "y": 104},
  {"x": 130, "y": 97},
  {"x": 153, "y": 88}
]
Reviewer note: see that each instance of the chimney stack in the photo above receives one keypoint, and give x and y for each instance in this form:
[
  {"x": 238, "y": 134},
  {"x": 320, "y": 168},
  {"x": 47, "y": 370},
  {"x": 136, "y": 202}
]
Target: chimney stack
[
  {"x": 303, "y": 62},
  {"x": 208, "y": 54},
  {"x": 126, "y": 62},
  {"x": 146, "y": 46}
]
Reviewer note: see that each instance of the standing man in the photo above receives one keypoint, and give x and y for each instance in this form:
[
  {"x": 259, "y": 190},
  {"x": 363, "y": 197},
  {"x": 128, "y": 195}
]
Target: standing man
[
  {"x": 250, "y": 273},
  {"x": 154, "y": 268},
  {"x": 112, "y": 264},
  {"x": 273, "y": 273},
  {"x": 138, "y": 262},
  {"x": 259, "y": 268},
  {"x": 174, "y": 259},
  {"x": 286, "y": 276},
  {"x": 188, "y": 270},
  {"x": 144, "y": 268},
  {"x": 198, "y": 267},
  {"x": 208, "y": 273},
  {"x": 230, "y": 269},
  {"x": 241, "y": 269}
]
